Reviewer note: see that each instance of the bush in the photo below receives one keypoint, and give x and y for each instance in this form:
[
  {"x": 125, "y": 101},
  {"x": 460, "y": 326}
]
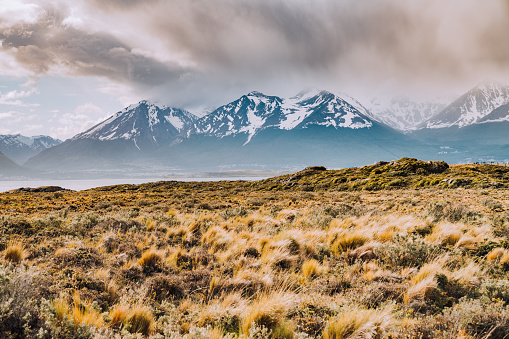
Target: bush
[
  {"x": 478, "y": 318},
  {"x": 406, "y": 251},
  {"x": 446, "y": 211},
  {"x": 495, "y": 289},
  {"x": 20, "y": 312}
]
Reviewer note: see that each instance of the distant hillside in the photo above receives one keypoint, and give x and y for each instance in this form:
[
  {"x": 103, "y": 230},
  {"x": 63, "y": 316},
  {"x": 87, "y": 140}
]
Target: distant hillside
[
  {"x": 20, "y": 148},
  {"x": 9, "y": 168}
]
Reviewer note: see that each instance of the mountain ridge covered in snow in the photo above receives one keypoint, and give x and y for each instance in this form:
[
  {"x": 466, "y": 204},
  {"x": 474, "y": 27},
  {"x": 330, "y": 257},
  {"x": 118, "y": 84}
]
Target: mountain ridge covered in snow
[{"x": 247, "y": 116}]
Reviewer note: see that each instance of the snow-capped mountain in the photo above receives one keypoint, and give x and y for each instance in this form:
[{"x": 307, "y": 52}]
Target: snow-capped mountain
[
  {"x": 144, "y": 125},
  {"x": 401, "y": 112},
  {"x": 254, "y": 128},
  {"x": 313, "y": 127},
  {"x": 322, "y": 108},
  {"x": 255, "y": 112},
  {"x": 20, "y": 148},
  {"x": 248, "y": 115},
  {"x": 472, "y": 107}
]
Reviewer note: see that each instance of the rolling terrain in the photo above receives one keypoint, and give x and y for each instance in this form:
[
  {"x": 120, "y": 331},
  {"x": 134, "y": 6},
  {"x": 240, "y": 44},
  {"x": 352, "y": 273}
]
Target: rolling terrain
[{"x": 375, "y": 251}]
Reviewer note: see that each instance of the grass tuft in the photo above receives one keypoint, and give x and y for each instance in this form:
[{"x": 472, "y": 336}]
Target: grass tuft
[
  {"x": 359, "y": 323},
  {"x": 15, "y": 252}
]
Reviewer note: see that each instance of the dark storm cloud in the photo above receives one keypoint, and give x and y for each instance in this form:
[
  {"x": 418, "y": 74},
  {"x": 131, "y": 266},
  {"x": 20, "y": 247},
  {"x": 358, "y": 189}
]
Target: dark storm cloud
[
  {"x": 291, "y": 43},
  {"x": 430, "y": 40},
  {"x": 49, "y": 42},
  {"x": 231, "y": 46}
]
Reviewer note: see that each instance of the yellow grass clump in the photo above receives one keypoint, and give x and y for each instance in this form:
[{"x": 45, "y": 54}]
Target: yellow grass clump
[
  {"x": 118, "y": 314},
  {"x": 80, "y": 311},
  {"x": 359, "y": 323},
  {"x": 151, "y": 258},
  {"x": 342, "y": 241},
  {"x": 15, "y": 252},
  {"x": 136, "y": 319},
  {"x": 312, "y": 268},
  {"x": 504, "y": 260},
  {"x": 496, "y": 254},
  {"x": 268, "y": 310},
  {"x": 446, "y": 234}
]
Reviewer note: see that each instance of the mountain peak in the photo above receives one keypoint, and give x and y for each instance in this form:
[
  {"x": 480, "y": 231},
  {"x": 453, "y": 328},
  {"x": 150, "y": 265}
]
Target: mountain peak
[
  {"x": 488, "y": 85},
  {"x": 255, "y": 94},
  {"x": 143, "y": 124},
  {"x": 309, "y": 93},
  {"x": 472, "y": 107}
]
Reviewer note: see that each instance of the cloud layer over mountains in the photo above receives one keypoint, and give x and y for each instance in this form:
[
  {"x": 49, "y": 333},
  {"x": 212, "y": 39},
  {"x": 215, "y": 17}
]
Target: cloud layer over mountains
[{"x": 183, "y": 50}]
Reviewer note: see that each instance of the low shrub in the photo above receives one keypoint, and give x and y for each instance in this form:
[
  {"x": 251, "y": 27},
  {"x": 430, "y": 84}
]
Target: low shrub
[{"x": 406, "y": 251}]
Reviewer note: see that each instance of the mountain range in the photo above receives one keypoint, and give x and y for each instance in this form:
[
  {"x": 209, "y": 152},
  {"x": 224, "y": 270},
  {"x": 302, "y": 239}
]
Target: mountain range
[
  {"x": 264, "y": 131},
  {"x": 20, "y": 148}
]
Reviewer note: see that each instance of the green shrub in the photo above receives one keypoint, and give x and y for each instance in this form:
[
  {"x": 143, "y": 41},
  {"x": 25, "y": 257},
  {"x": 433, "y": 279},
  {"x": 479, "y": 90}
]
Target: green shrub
[{"x": 406, "y": 251}]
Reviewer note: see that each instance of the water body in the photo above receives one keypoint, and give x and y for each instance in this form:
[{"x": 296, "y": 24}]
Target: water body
[{"x": 78, "y": 185}]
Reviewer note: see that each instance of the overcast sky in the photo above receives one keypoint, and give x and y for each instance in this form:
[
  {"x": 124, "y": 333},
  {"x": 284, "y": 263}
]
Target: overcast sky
[{"x": 65, "y": 65}]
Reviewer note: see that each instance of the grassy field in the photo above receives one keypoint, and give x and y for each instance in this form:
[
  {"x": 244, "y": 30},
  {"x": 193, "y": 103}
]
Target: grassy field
[{"x": 406, "y": 249}]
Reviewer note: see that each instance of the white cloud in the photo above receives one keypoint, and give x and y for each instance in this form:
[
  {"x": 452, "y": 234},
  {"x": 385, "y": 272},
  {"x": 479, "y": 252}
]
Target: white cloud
[
  {"x": 12, "y": 11},
  {"x": 13, "y": 97}
]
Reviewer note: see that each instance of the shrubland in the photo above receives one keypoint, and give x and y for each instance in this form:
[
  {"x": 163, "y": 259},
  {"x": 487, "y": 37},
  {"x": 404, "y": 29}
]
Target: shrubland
[{"x": 406, "y": 249}]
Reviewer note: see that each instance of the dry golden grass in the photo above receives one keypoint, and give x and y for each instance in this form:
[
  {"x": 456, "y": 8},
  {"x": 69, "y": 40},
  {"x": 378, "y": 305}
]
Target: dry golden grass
[
  {"x": 79, "y": 311},
  {"x": 139, "y": 319},
  {"x": 342, "y": 241},
  {"x": 504, "y": 260},
  {"x": 118, "y": 314},
  {"x": 209, "y": 260},
  {"x": 496, "y": 254},
  {"x": 15, "y": 252},
  {"x": 420, "y": 290},
  {"x": 312, "y": 268},
  {"x": 359, "y": 323},
  {"x": 268, "y": 310},
  {"x": 446, "y": 233},
  {"x": 151, "y": 258}
]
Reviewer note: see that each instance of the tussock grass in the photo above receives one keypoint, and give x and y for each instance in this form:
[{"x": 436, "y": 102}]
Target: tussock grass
[
  {"x": 312, "y": 268},
  {"x": 316, "y": 254},
  {"x": 139, "y": 319},
  {"x": 151, "y": 258},
  {"x": 496, "y": 254},
  {"x": 80, "y": 311},
  {"x": 342, "y": 241},
  {"x": 359, "y": 323},
  {"x": 15, "y": 252},
  {"x": 268, "y": 310}
]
